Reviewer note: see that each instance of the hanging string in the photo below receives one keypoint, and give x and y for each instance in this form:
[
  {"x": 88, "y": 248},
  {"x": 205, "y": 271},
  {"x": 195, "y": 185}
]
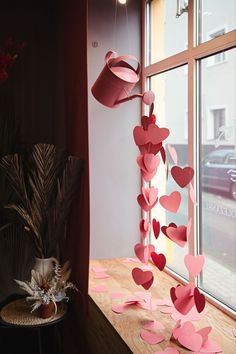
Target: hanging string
[
  {"x": 115, "y": 27},
  {"x": 127, "y": 26},
  {"x": 129, "y": 43}
]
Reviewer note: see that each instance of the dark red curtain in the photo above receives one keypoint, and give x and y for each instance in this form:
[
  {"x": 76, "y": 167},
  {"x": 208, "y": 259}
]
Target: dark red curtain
[{"x": 76, "y": 124}]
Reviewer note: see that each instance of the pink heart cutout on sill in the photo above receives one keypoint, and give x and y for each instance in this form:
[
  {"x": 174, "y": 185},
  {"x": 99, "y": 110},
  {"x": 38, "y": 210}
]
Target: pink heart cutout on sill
[
  {"x": 151, "y": 338},
  {"x": 159, "y": 260},
  {"x": 192, "y": 342},
  {"x": 143, "y": 252},
  {"x": 156, "y": 228},
  {"x": 194, "y": 264},
  {"x": 143, "y": 278},
  {"x": 182, "y": 176},
  {"x": 168, "y": 350},
  {"x": 171, "y": 202},
  {"x": 177, "y": 234}
]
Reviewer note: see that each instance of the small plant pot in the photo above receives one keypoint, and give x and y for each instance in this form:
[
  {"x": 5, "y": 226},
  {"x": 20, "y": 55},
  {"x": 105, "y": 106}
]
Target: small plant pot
[{"x": 46, "y": 310}]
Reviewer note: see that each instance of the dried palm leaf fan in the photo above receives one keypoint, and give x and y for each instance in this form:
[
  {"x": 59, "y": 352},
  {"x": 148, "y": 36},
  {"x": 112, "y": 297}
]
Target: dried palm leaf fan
[{"x": 44, "y": 183}]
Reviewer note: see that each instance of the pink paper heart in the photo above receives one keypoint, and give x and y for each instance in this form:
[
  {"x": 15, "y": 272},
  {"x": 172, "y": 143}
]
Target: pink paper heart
[
  {"x": 210, "y": 347},
  {"x": 234, "y": 331},
  {"x": 120, "y": 308},
  {"x": 148, "y": 199},
  {"x": 182, "y": 176},
  {"x": 173, "y": 153},
  {"x": 101, "y": 276},
  {"x": 151, "y": 162},
  {"x": 156, "y": 228},
  {"x": 184, "y": 305},
  {"x": 191, "y": 342},
  {"x": 168, "y": 350},
  {"x": 159, "y": 260},
  {"x": 177, "y": 234},
  {"x": 200, "y": 300},
  {"x": 189, "y": 228},
  {"x": 143, "y": 278},
  {"x": 99, "y": 270},
  {"x": 171, "y": 202},
  {"x": 143, "y": 252},
  {"x": 150, "y": 337},
  {"x": 100, "y": 289},
  {"x": 194, "y": 264},
  {"x": 144, "y": 228},
  {"x": 204, "y": 332},
  {"x": 148, "y": 163},
  {"x": 153, "y": 324},
  {"x": 185, "y": 290}
]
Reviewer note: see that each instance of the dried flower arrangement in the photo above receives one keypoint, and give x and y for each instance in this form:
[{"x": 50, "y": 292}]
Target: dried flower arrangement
[
  {"x": 44, "y": 183},
  {"x": 50, "y": 289}
]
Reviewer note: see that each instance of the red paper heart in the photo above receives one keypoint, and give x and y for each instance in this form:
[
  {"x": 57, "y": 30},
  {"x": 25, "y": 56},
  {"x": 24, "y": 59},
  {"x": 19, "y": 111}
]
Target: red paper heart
[
  {"x": 194, "y": 264},
  {"x": 172, "y": 294},
  {"x": 163, "y": 228},
  {"x": 143, "y": 252},
  {"x": 144, "y": 228},
  {"x": 150, "y": 148},
  {"x": 144, "y": 278},
  {"x": 171, "y": 202},
  {"x": 199, "y": 300},
  {"x": 182, "y": 176},
  {"x": 156, "y": 228},
  {"x": 177, "y": 234},
  {"x": 159, "y": 260}
]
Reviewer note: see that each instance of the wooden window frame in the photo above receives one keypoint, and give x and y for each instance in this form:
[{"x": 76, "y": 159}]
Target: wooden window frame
[{"x": 191, "y": 56}]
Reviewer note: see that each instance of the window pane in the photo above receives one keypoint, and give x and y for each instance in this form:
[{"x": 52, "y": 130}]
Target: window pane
[
  {"x": 218, "y": 177},
  {"x": 171, "y": 112},
  {"x": 216, "y": 17},
  {"x": 168, "y": 33}
]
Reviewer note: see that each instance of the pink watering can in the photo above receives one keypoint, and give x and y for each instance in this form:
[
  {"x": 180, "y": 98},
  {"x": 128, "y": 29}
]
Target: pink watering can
[{"x": 116, "y": 81}]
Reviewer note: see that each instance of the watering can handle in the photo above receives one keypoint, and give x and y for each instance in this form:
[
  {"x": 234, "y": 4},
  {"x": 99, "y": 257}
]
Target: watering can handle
[{"x": 117, "y": 58}]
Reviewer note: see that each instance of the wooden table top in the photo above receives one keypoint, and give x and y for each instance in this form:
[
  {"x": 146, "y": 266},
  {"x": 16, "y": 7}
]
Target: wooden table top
[{"x": 129, "y": 323}]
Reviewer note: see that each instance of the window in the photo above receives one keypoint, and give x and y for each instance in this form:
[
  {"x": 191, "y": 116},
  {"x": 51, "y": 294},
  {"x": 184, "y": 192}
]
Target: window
[{"x": 187, "y": 79}]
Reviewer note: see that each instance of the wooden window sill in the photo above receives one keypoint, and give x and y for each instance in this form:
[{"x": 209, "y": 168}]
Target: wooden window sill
[{"x": 109, "y": 332}]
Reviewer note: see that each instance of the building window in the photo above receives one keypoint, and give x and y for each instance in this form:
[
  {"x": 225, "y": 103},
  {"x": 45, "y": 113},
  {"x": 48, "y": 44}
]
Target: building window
[{"x": 184, "y": 82}]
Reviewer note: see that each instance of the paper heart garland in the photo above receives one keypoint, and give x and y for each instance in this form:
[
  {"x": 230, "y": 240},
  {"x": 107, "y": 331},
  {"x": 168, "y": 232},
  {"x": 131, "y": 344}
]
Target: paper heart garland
[
  {"x": 182, "y": 176},
  {"x": 144, "y": 228},
  {"x": 177, "y": 234},
  {"x": 171, "y": 202},
  {"x": 194, "y": 264},
  {"x": 159, "y": 260},
  {"x": 148, "y": 199},
  {"x": 156, "y": 228},
  {"x": 143, "y": 278},
  {"x": 143, "y": 252},
  {"x": 153, "y": 134}
]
